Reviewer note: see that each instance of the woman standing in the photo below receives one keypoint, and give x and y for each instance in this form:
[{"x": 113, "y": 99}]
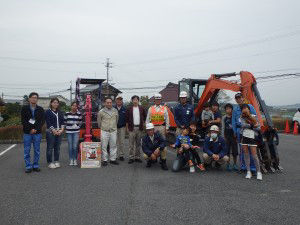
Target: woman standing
[
  {"x": 73, "y": 121},
  {"x": 55, "y": 128}
]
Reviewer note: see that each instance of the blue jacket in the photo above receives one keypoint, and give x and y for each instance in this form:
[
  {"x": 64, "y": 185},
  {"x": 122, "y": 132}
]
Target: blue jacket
[
  {"x": 122, "y": 117},
  {"x": 236, "y": 114},
  {"x": 149, "y": 147},
  {"x": 183, "y": 115},
  {"x": 218, "y": 147},
  {"x": 51, "y": 119},
  {"x": 182, "y": 140}
]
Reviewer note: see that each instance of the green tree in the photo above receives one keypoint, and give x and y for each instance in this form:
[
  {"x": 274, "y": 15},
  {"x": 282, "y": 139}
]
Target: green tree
[{"x": 145, "y": 101}]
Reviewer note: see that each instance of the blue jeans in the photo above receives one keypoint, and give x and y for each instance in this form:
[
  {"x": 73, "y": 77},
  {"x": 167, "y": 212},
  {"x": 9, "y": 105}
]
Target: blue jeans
[
  {"x": 73, "y": 139},
  {"x": 53, "y": 143},
  {"x": 34, "y": 139}
]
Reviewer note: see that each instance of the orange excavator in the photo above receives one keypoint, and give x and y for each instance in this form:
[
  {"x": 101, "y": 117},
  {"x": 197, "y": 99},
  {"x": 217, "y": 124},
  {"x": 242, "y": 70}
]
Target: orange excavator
[{"x": 201, "y": 91}]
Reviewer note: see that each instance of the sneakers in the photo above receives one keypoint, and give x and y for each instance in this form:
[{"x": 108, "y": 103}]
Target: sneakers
[
  {"x": 36, "y": 169},
  {"x": 235, "y": 167},
  {"x": 217, "y": 165},
  {"x": 104, "y": 163},
  {"x": 192, "y": 169},
  {"x": 75, "y": 162},
  {"x": 114, "y": 162},
  {"x": 57, "y": 164},
  {"x": 28, "y": 170},
  {"x": 164, "y": 165},
  {"x": 228, "y": 167},
  {"x": 138, "y": 160},
  {"x": 121, "y": 158},
  {"x": 52, "y": 166},
  {"x": 249, "y": 175},
  {"x": 149, "y": 164},
  {"x": 130, "y": 161},
  {"x": 71, "y": 162},
  {"x": 259, "y": 176},
  {"x": 201, "y": 167}
]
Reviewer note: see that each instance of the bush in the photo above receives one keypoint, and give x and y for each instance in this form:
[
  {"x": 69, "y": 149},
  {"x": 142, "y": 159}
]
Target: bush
[
  {"x": 11, "y": 133},
  {"x": 12, "y": 121}
]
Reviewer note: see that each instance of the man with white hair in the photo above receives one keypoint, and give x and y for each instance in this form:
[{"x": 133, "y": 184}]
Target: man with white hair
[
  {"x": 215, "y": 149},
  {"x": 158, "y": 116},
  {"x": 154, "y": 147},
  {"x": 183, "y": 113}
]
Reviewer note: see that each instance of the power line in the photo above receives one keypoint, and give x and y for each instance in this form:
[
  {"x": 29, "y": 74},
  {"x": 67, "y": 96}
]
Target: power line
[{"x": 46, "y": 60}]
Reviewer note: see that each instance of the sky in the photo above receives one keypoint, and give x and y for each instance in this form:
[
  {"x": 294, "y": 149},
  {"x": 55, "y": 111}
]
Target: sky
[{"x": 45, "y": 45}]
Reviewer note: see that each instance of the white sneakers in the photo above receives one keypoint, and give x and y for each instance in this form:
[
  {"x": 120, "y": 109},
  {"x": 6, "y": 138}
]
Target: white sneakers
[
  {"x": 258, "y": 176},
  {"x": 54, "y": 165},
  {"x": 249, "y": 175},
  {"x": 73, "y": 162},
  {"x": 192, "y": 169}
]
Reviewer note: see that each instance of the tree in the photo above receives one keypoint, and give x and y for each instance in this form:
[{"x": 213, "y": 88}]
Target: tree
[
  {"x": 145, "y": 101},
  {"x": 25, "y": 100}
]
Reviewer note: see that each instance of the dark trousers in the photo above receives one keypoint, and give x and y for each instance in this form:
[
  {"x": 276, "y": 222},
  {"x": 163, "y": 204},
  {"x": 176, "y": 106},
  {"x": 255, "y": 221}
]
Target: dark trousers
[
  {"x": 53, "y": 145},
  {"x": 196, "y": 156},
  {"x": 232, "y": 146}
]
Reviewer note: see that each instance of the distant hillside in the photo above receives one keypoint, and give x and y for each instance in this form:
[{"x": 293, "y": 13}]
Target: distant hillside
[{"x": 294, "y": 106}]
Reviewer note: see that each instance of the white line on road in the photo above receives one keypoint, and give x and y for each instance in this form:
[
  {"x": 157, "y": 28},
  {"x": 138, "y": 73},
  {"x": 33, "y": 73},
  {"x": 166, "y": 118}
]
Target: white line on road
[{"x": 6, "y": 150}]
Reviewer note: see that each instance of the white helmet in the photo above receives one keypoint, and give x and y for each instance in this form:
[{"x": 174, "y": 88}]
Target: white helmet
[
  {"x": 183, "y": 94},
  {"x": 157, "y": 96},
  {"x": 149, "y": 126},
  {"x": 119, "y": 96},
  {"x": 214, "y": 128}
]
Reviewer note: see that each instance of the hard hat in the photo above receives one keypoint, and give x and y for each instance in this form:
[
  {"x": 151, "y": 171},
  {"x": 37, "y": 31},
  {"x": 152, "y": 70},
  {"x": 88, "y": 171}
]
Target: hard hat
[
  {"x": 183, "y": 94},
  {"x": 157, "y": 96},
  {"x": 214, "y": 128},
  {"x": 119, "y": 96},
  {"x": 149, "y": 126}
]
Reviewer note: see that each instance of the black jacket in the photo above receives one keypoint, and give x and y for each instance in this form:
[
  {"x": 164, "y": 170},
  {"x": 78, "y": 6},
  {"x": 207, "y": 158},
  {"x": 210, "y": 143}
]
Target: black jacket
[{"x": 39, "y": 116}]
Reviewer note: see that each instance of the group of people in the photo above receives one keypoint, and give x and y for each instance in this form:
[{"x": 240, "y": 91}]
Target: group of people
[{"x": 223, "y": 136}]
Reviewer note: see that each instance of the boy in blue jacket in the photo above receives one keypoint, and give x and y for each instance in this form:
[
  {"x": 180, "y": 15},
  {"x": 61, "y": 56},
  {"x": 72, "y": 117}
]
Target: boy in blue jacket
[{"x": 184, "y": 154}]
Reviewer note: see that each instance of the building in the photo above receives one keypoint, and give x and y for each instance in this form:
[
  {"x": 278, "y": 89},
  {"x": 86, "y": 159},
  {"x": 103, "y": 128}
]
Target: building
[
  {"x": 169, "y": 93},
  {"x": 45, "y": 101}
]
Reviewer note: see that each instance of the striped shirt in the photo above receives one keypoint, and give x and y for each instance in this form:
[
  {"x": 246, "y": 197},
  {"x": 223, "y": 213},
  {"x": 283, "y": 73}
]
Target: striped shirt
[{"x": 73, "y": 122}]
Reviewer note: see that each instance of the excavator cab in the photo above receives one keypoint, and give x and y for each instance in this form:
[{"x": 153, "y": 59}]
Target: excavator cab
[{"x": 194, "y": 88}]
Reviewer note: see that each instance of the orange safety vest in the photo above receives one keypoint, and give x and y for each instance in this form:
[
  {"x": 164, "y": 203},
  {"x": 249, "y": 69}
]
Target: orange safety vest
[{"x": 157, "y": 118}]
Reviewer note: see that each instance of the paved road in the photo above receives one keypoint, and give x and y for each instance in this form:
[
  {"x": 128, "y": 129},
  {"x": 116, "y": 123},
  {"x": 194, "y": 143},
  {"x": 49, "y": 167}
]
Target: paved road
[{"x": 133, "y": 194}]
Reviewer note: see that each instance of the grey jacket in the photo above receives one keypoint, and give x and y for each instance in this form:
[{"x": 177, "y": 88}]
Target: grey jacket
[{"x": 108, "y": 119}]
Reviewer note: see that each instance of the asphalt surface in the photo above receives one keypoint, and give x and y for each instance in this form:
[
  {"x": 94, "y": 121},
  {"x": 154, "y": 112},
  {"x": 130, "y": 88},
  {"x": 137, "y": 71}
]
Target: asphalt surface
[{"x": 133, "y": 194}]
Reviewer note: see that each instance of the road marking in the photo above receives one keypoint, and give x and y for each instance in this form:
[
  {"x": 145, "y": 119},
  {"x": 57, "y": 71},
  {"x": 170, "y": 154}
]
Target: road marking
[{"x": 6, "y": 150}]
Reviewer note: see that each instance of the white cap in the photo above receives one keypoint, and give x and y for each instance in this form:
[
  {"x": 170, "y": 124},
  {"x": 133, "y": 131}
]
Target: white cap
[
  {"x": 214, "y": 128},
  {"x": 157, "y": 96},
  {"x": 149, "y": 126},
  {"x": 183, "y": 94},
  {"x": 119, "y": 96}
]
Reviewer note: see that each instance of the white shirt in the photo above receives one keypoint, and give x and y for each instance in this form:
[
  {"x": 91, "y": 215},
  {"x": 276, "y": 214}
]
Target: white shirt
[
  {"x": 297, "y": 117},
  {"x": 136, "y": 116}
]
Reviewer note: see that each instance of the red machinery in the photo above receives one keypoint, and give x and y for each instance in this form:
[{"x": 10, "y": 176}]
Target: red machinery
[{"x": 201, "y": 91}]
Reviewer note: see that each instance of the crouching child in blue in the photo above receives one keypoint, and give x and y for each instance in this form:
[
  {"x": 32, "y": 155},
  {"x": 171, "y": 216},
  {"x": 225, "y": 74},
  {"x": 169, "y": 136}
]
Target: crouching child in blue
[
  {"x": 215, "y": 149},
  {"x": 154, "y": 146},
  {"x": 184, "y": 154}
]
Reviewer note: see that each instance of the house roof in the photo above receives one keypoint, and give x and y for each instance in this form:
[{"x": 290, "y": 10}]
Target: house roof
[
  {"x": 169, "y": 93},
  {"x": 93, "y": 87}
]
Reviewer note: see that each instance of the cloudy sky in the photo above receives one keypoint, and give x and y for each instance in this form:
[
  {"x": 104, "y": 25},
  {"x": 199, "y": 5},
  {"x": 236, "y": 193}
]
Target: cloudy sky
[{"x": 46, "y": 44}]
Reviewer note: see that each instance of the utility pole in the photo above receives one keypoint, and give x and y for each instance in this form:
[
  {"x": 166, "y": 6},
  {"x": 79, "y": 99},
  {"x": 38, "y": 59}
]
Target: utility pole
[
  {"x": 108, "y": 65},
  {"x": 70, "y": 93}
]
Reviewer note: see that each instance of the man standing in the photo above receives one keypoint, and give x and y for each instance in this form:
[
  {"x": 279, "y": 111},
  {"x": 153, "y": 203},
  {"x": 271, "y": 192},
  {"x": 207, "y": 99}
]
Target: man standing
[
  {"x": 135, "y": 119},
  {"x": 121, "y": 127},
  {"x": 158, "y": 116},
  {"x": 215, "y": 148},
  {"x": 33, "y": 119},
  {"x": 154, "y": 146},
  {"x": 217, "y": 115},
  {"x": 183, "y": 113},
  {"x": 236, "y": 117},
  {"x": 107, "y": 122}
]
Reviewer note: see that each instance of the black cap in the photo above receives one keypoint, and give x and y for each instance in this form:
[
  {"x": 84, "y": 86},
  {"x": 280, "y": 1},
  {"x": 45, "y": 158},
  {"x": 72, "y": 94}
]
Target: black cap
[{"x": 238, "y": 95}]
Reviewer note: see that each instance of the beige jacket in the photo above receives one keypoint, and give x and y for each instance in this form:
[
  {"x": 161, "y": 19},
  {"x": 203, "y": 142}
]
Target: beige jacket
[{"x": 108, "y": 119}]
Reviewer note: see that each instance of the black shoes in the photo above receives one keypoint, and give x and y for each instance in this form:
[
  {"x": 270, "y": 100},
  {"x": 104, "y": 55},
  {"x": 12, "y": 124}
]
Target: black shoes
[
  {"x": 36, "y": 169},
  {"x": 217, "y": 165},
  {"x": 149, "y": 163},
  {"x": 104, "y": 163},
  {"x": 130, "y": 161},
  {"x": 138, "y": 160},
  {"x": 28, "y": 170},
  {"x": 114, "y": 162},
  {"x": 121, "y": 158},
  {"x": 164, "y": 165}
]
